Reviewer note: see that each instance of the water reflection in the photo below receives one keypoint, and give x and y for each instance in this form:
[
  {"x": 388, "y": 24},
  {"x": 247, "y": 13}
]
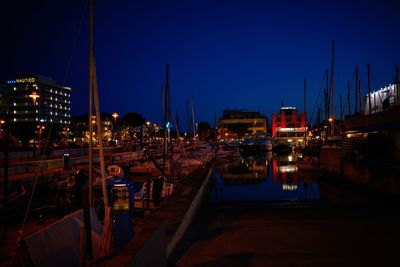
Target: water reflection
[{"x": 264, "y": 178}]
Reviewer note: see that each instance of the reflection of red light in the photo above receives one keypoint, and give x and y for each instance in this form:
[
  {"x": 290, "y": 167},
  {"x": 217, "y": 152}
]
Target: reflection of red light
[
  {"x": 284, "y": 174},
  {"x": 274, "y": 171}
]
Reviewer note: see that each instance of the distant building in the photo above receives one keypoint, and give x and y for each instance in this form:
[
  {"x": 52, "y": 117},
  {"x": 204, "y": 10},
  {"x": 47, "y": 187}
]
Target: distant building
[
  {"x": 288, "y": 126},
  {"x": 237, "y": 123},
  {"x": 37, "y": 99}
]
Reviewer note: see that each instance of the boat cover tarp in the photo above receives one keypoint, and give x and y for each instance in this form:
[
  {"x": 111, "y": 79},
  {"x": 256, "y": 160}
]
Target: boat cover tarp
[{"x": 59, "y": 243}]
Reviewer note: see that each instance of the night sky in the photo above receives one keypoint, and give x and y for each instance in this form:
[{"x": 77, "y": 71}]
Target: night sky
[{"x": 224, "y": 54}]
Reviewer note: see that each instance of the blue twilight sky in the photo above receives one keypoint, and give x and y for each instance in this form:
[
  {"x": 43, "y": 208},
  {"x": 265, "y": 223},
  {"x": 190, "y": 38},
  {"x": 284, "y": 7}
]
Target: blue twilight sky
[{"x": 224, "y": 54}]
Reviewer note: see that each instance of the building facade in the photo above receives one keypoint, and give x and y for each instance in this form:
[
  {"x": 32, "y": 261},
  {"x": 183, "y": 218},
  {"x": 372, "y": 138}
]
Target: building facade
[
  {"x": 237, "y": 123},
  {"x": 288, "y": 126},
  {"x": 37, "y": 99}
]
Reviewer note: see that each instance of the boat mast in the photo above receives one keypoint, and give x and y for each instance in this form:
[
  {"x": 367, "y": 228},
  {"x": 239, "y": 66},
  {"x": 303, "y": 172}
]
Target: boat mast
[
  {"x": 166, "y": 98},
  {"x": 397, "y": 84},
  {"x": 333, "y": 87},
  {"x": 369, "y": 89},
  {"x": 348, "y": 98},
  {"x": 305, "y": 97},
  {"x": 91, "y": 55},
  {"x": 305, "y": 108},
  {"x": 87, "y": 200},
  {"x": 356, "y": 99},
  {"x": 327, "y": 96}
]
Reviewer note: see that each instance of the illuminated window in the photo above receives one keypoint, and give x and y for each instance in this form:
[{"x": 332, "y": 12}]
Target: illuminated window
[
  {"x": 15, "y": 88},
  {"x": 15, "y": 119},
  {"x": 15, "y": 104}
]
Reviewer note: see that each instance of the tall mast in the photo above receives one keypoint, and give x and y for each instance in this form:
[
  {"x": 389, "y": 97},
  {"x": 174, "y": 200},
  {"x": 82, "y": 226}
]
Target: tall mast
[
  {"x": 356, "y": 99},
  {"x": 333, "y": 87},
  {"x": 91, "y": 55},
  {"x": 397, "y": 84},
  {"x": 193, "y": 120},
  {"x": 359, "y": 99},
  {"x": 348, "y": 98},
  {"x": 327, "y": 96},
  {"x": 305, "y": 97},
  {"x": 166, "y": 108},
  {"x": 87, "y": 200},
  {"x": 369, "y": 89}
]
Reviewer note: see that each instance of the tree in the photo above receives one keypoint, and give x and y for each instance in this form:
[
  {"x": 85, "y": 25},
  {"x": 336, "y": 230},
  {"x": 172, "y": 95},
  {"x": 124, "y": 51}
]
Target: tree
[
  {"x": 203, "y": 129},
  {"x": 133, "y": 119}
]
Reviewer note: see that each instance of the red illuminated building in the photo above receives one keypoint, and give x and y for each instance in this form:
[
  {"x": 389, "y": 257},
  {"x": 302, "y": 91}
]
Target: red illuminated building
[{"x": 288, "y": 126}]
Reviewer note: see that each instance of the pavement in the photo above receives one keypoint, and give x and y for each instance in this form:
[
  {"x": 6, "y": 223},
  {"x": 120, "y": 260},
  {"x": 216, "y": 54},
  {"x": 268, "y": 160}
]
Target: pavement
[{"x": 286, "y": 236}]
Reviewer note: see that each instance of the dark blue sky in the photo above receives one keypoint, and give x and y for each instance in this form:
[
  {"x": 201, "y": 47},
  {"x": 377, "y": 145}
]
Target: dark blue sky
[{"x": 225, "y": 54}]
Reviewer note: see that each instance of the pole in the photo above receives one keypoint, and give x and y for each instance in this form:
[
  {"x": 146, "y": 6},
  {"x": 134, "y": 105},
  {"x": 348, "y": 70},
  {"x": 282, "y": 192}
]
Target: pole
[
  {"x": 91, "y": 55},
  {"x": 327, "y": 96},
  {"x": 356, "y": 98},
  {"x": 359, "y": 99},
  {"x": 341, "y": 108},
  {"x": 305, "y": 97},
  {"x": 397, "y": 84},
  {"x": 369, "y": 90},
  {"x": 6, "y": 161},
  {"x": 165, "y": 98},
  {"x": 333, "y": 88},
  {"x": 348, "y": 98}
]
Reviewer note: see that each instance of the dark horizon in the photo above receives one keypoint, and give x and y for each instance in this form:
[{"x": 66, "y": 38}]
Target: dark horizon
[{"x": 225, "y": 55}]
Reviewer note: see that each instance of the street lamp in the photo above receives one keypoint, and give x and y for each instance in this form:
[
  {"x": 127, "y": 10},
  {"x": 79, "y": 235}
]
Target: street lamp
[
  {"x": 40, "y": 129},
  {"x": 115, "y": 116},
  {"x": 34, "y": 96}
]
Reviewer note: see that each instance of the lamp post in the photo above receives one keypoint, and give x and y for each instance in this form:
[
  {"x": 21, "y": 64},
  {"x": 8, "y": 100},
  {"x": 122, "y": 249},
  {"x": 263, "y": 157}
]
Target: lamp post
[
  {"x": 34, "y": 96},
  {"x": 115, "y": 116}
]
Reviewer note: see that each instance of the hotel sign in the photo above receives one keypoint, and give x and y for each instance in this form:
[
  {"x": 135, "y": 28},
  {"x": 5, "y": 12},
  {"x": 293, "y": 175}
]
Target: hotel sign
[
  {"x": 23, "y": 80},
  {"x": 291, "y": 130}
]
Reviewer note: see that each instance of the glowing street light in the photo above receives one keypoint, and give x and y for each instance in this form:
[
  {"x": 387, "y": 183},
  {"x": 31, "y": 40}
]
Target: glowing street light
[
  {"x": 34, "y": 96},
  {"x": 115, "y": 116}
]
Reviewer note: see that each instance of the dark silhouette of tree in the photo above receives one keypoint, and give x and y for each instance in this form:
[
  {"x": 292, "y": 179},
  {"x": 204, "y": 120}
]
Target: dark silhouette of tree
[
  {"x": 133, "y": 119},
  {"x": 203, "y": 129}
]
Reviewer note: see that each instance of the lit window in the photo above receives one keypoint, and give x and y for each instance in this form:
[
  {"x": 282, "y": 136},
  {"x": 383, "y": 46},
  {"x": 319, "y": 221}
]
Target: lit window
[
  {"x": 51, "y": 120},
  {"x": 51, "y": 113},
  {"x": 15, "y": 104},
  {"x": 51, "y": 105},
  {"x": 15, "y": 119},
  {"x": 56, "y": 114},
  {"x": 51, "y": 98},
  {"x": 15, "y": 88},
  {"x": 37, "y": 111},
  {"x": 15, "y": 112}
]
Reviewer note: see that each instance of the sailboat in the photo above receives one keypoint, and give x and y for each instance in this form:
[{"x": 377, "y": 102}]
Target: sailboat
[{"x": 78, "y": 237}]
